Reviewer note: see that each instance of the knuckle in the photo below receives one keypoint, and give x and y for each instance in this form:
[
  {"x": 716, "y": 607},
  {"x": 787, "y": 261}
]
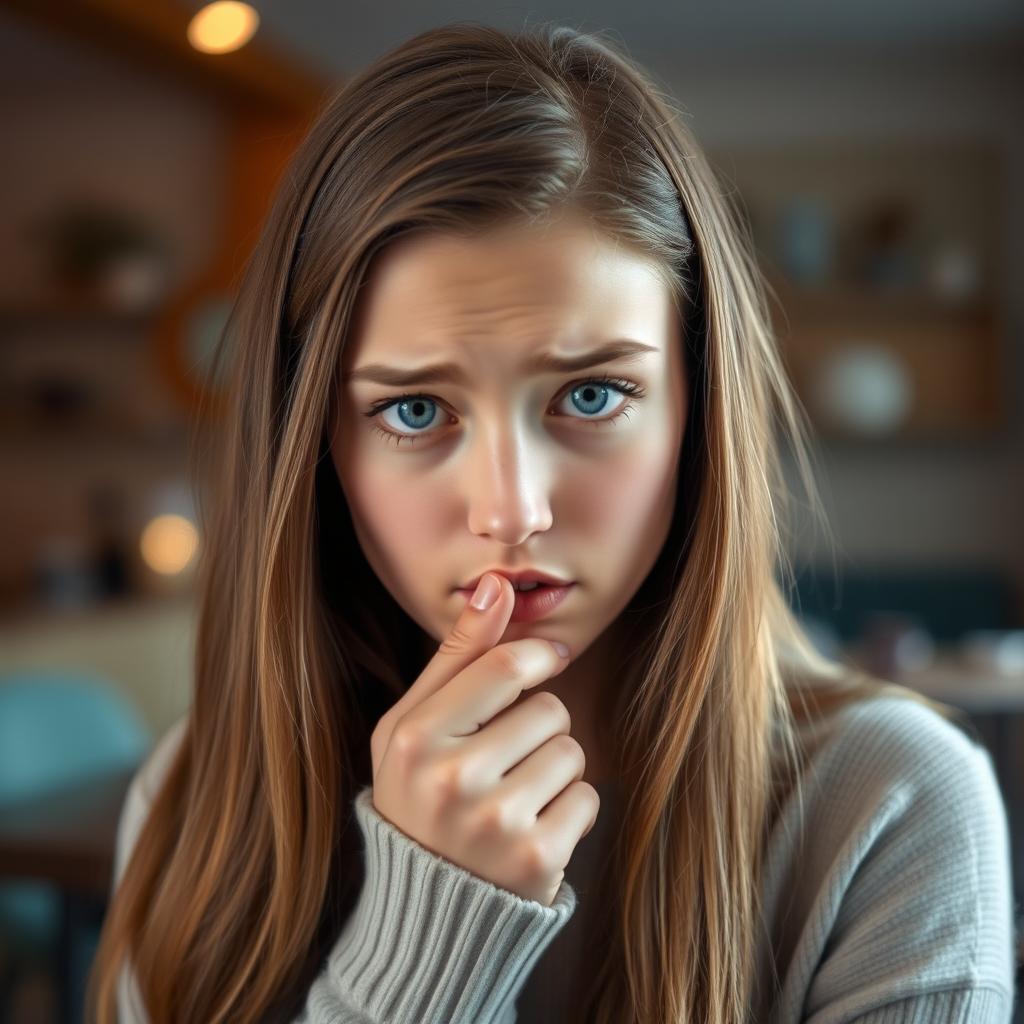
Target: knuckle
[
  {"x": 534, "y": 858},
  {"x": 569, "y": 746},
  {"x": 507, "y": 661},
  {"x": 456, "y": 641},
  {"x": 590, "y": 793},
  {"x": 492, "y": 820},
  {"x": 408, "y": 741},
  {"x": 554, "y": 707},
  {"x": 450, "y": 780}
]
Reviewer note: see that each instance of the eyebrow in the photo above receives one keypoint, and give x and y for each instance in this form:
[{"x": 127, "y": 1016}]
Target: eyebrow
[{"x": 546, "y": 362}]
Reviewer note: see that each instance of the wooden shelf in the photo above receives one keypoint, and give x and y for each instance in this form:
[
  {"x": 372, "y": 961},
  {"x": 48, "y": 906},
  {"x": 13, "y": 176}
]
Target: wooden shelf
[
  {"x": 837, "y": 211},
  {"x": 834, "y": 301},
  {"x": 951, "y": 365},
  {"x": 83, "y": 440},
  {"x": 46, "y": 312}
]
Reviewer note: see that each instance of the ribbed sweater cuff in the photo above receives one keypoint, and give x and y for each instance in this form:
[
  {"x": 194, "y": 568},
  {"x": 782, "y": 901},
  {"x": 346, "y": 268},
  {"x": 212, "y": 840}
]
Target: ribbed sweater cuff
[{"x": 429, "y": 940}]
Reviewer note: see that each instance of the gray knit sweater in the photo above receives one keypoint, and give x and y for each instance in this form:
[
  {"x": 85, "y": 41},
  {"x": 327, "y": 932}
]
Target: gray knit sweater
[{"x": 898, "y": 906}]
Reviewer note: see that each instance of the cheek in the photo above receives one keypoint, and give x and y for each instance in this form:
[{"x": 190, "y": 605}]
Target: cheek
[
  {"x": 623, "y": 496},
  {"x": 397, "y": 517},
  {"x": 407, "y": 515},
  {"x": 372, "y": 500}
]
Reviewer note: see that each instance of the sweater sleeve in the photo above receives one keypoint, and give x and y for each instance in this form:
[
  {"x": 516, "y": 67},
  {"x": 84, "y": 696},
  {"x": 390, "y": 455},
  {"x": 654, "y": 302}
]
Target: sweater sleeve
[
  {"x": 923, "y": 927},
  {"x": 138, "y": 800},
  {"x": 429, "y": 940}
]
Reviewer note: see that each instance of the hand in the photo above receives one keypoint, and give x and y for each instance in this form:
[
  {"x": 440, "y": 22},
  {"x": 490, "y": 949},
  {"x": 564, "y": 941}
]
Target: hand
[{"x": 502, "y": 797}]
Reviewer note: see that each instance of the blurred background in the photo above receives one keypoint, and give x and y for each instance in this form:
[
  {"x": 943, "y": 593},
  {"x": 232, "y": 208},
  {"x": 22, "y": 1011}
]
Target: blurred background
[{"x": 877, "y": 151}]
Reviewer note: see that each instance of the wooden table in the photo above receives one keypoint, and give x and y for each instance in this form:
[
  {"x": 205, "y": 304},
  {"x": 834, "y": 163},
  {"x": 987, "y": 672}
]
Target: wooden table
[
  {"x": 967, "y": 686},
  {"x": 67, "y": 839},
  {"x": 981, "y": 693}
]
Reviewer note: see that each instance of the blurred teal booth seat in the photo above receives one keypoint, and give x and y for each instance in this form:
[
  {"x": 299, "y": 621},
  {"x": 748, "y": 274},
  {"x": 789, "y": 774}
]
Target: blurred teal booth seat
[{"x": 57, "y": 728}]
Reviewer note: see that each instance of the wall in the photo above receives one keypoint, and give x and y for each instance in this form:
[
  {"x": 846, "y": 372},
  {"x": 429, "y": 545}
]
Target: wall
[
  {"x": 79, "y": 124},
  {"x": 895, "y": 504}
]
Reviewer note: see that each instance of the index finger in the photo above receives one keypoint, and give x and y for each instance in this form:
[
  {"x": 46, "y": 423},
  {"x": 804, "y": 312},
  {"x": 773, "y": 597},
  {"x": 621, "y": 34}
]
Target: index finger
[{"x": 473, "y": 633}]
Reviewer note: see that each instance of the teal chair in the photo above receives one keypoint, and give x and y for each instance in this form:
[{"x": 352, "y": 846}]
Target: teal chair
[{"x": 57, "y": 728}]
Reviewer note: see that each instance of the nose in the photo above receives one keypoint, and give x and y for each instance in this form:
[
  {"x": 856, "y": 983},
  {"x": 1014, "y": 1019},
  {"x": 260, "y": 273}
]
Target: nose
[{"x": 507, "y": 486}]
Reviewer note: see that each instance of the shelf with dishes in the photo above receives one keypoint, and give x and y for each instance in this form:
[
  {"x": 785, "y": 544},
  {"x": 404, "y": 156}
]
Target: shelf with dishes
[{"x": 883, "y": 261}]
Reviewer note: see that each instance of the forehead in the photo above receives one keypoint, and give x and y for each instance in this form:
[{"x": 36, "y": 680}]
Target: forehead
[{"x": 562, "y": 287}]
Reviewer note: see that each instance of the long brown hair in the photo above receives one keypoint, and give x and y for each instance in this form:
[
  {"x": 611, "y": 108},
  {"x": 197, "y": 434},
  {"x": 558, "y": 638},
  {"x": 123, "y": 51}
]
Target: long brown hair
[{"x": 250, "y": 859}]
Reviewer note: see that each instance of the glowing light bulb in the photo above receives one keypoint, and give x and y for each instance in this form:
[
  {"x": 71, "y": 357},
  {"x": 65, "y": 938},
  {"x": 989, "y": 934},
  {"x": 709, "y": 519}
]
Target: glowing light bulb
[
  {"x": 222, "y": 27},
  {"x": 168, "y": 544}
]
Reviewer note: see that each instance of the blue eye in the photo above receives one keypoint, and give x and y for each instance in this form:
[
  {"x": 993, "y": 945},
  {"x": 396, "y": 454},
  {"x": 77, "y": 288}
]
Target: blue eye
[{"x": 417, "y": 412}]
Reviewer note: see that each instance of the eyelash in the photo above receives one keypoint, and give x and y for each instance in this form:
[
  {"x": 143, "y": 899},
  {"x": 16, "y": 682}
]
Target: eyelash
[{"x": 626, "y": 387}]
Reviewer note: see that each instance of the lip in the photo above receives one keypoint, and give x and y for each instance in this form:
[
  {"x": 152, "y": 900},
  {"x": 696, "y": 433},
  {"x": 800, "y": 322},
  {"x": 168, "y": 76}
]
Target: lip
[
  {"x": 532, "y": 605},
  {"x": 519, "y": 576}
]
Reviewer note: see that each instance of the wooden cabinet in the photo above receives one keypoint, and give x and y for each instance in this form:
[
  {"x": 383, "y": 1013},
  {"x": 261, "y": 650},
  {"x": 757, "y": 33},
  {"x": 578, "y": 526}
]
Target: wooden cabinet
[{"x": 885, "y": 260}]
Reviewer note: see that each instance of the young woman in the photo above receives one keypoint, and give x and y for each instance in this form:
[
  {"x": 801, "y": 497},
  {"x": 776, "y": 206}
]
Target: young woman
[{"x": 387, "y": 804}]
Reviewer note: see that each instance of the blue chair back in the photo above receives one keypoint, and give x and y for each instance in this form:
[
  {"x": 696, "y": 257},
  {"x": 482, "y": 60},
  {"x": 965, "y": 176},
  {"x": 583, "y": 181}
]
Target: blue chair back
[{"x": 58, "y": 727}]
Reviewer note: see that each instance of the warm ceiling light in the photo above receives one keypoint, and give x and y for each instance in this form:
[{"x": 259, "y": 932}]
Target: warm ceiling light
[{"x": 223, "y": 26}]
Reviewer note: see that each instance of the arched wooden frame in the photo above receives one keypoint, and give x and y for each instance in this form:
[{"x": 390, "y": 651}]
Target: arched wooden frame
[{"x": 269, "y": 100}]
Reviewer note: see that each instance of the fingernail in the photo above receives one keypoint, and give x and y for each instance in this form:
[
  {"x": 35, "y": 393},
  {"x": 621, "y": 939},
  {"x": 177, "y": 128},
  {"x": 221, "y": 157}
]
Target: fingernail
[
  {"x": 486, "y": 593},
  {"x": 561, "y": 648}
]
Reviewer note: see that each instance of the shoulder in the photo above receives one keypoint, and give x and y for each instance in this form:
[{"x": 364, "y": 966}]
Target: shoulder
[
  {"x": 909, "y": 849},
  {"x": 144, "y": 786},
  {"x": 150, "y": 775},
  {"x": 894, "y": 774},
  {"x": 904, "y": 733},
  {"x": 896, "y": 752}
]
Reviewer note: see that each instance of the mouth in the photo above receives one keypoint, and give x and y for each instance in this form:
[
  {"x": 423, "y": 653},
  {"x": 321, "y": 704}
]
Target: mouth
[
  {"x": 522, "y": 580},
  {"x": 532, "y": 602}
]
